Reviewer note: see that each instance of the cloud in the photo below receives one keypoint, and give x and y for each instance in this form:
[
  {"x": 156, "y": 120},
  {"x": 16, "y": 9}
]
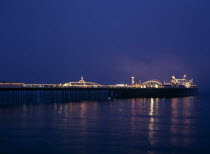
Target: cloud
[{"x": 160, "y": 67}]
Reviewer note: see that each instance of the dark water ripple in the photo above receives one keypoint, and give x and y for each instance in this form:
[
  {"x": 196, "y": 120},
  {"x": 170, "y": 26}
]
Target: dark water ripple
[{"x": 143, "y": 125}]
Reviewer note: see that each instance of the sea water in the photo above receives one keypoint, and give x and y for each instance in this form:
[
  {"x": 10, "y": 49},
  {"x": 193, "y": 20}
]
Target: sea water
[{"x": 138, "y": 125}]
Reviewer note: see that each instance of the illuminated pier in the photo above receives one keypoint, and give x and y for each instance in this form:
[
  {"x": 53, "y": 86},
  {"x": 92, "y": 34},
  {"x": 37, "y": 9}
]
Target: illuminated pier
[
  {"x": 174, "y": 83},
  {"x": 82, "y": 90}
]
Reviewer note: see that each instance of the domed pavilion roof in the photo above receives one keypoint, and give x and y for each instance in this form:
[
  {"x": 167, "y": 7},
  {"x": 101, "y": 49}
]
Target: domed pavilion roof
[{"x": 81, "y": 83}]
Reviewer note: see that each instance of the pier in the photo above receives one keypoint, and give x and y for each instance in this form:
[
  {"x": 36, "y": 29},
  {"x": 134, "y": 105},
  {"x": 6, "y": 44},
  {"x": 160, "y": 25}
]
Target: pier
[
  {"x": 53, "y": 95},
  {"x": 84, "y": 91}
]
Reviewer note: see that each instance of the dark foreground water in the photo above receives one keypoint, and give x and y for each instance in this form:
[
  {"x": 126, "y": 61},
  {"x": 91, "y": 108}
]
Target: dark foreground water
[{"x": 147, "y": 125}]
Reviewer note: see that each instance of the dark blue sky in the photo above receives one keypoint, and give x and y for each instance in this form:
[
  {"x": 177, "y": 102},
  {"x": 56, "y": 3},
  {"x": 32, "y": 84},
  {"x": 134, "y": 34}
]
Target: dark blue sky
[{"x": 53, "y": 41}]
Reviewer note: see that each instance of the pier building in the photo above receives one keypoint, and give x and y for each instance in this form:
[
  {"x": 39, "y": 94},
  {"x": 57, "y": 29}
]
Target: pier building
[
  {"x": 181, "y": 82},
  {"x": 82, "y": 83}
]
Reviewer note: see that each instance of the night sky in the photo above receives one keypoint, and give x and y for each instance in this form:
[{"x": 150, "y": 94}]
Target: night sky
[{"x": 54, "y": 41}]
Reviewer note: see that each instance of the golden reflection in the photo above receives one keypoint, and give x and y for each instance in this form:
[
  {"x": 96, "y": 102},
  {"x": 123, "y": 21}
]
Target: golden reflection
[
  {"x": 151, "y": 111},
  {"x": 138, "y": 106},
  {"x": 133, "y": 118},
  {"x": 182, "y": 111},
  {"x": 152, "y": 121},
  {"x": 141, "y": 107},
  {"x": 83, "y": 109},
  {"x": 78, "y": 117}
]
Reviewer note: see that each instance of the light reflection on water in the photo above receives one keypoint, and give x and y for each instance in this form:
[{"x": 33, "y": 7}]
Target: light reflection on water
[{"x": 125, "y": 126}]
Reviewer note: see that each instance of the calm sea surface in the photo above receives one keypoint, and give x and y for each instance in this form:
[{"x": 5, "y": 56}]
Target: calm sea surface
[{"x": 142, "y": 125}]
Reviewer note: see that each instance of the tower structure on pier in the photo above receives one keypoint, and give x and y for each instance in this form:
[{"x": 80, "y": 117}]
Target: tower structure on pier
[{"x": 132, "y": 80}]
